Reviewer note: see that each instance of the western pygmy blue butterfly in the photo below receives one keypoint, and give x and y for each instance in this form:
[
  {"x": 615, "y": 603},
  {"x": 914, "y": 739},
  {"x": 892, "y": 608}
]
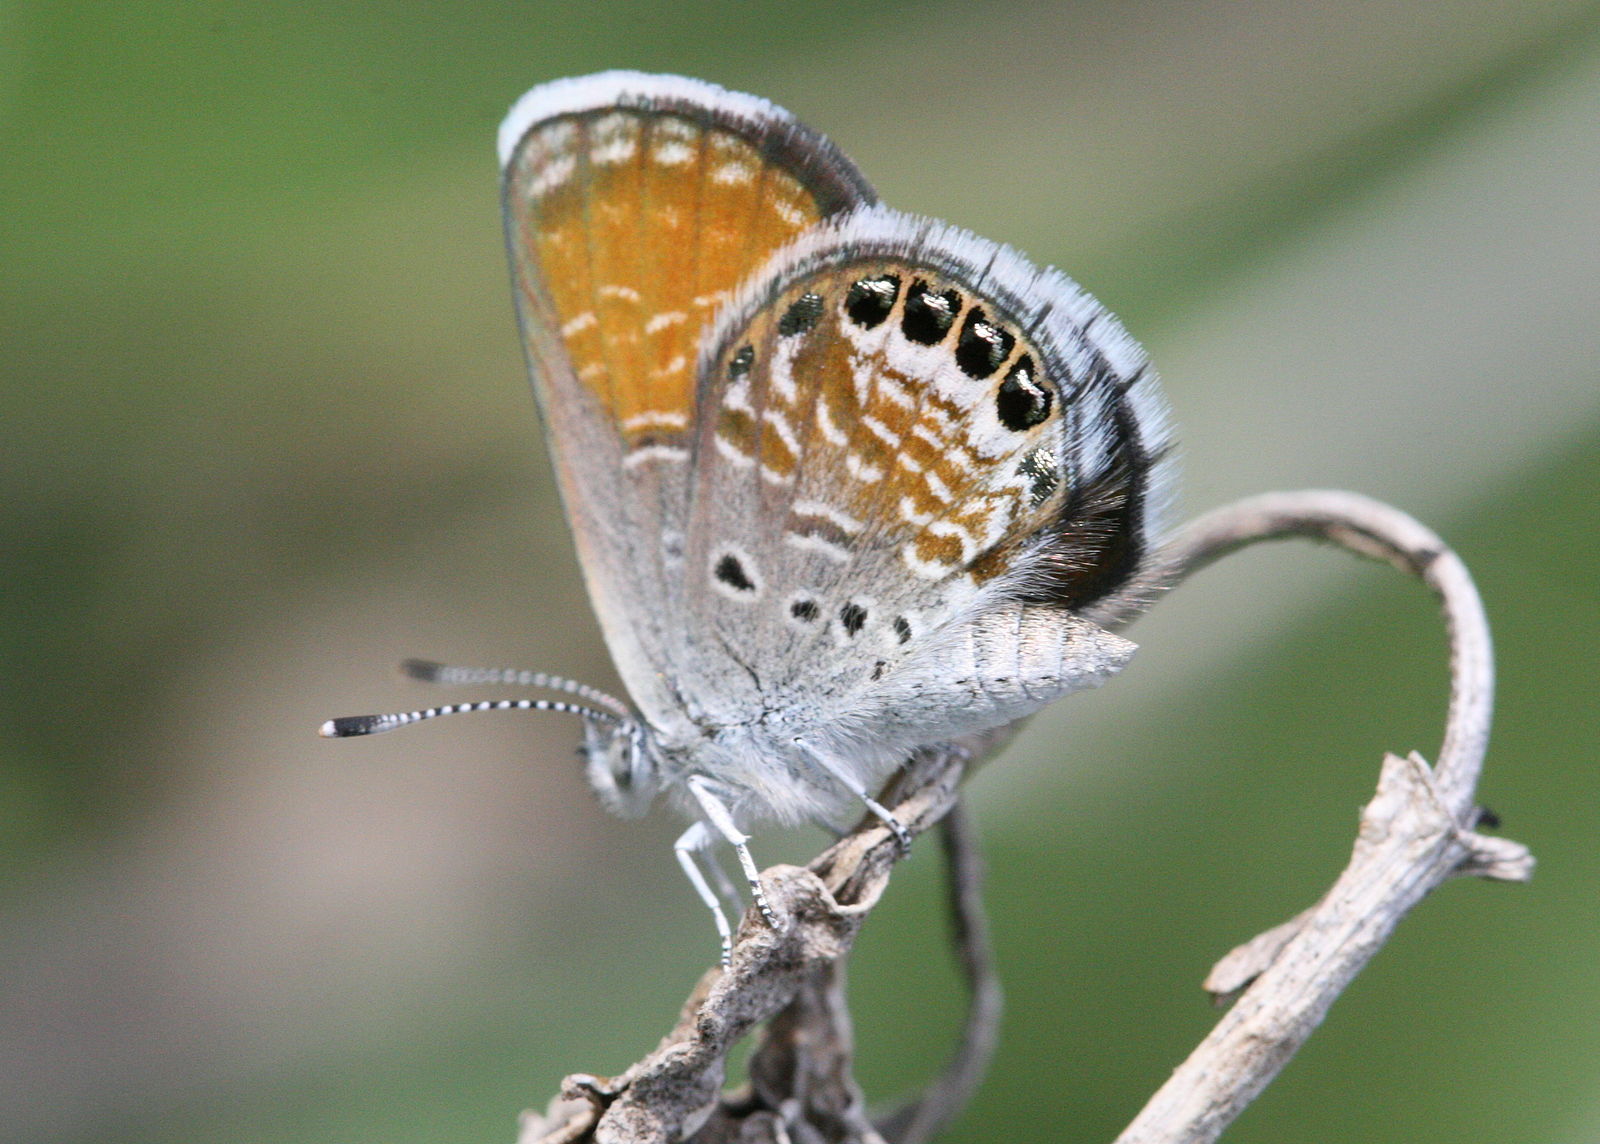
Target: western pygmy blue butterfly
[{"x": 841, "y": 479}]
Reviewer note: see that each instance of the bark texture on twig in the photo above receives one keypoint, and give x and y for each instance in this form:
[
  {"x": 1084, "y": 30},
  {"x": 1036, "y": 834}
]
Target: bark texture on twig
[
  {"x": 1418, "y": 830},
  {"x": 801, "y": 1083}
]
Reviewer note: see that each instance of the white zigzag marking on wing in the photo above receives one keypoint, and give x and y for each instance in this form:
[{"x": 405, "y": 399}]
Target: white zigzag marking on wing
[
  {"x": 817, "y": 544},
  {"x": 662, "y": 418},
  {"x": 578, "y": 323},
  {"x": 664, "y": 319},
  {"x": 827, "y": 512},
  {"x": 862, "y": 470},
  {"x": 646, "y": 453},
  {"x": 728, "y": 449}
]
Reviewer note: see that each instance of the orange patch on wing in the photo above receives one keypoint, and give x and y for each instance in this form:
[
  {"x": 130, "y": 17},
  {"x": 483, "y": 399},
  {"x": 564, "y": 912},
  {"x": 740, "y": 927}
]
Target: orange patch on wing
[
  {"x": 776, "y": 454},
  {"x": 738, "y": 429},
  {"x": 993, "y": 563},
  {"x": 636, "y": 226},
  {"x": 942, "y": 549}
]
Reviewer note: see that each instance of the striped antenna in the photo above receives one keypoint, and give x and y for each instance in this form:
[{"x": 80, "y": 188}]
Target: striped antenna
[
  {"x": 352, "y": 725},
  {"x": 429, "y": 672}
]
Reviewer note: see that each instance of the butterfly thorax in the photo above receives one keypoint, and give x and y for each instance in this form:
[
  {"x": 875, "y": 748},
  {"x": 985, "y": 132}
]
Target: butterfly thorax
[{"x": 760, "y": 771}]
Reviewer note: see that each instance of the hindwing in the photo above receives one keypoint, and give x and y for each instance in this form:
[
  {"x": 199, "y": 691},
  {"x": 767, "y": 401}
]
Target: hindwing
[{"x": 902, "y": 427}]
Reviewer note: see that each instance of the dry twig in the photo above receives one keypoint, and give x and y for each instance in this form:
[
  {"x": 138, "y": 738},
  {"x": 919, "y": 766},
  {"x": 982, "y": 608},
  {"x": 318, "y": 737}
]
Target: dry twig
[{"x": 1417, "y": 832}]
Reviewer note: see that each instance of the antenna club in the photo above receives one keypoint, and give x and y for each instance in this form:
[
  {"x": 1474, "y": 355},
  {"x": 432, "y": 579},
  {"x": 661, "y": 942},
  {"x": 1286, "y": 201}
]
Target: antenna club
[{"x": 352, "y": 725}]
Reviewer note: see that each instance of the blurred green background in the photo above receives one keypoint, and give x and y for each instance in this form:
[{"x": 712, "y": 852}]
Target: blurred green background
[{"x": 267, "y": 432}]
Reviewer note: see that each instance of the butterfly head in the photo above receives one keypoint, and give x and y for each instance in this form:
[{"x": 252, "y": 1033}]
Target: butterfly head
[{"x": 620, "y": 766}]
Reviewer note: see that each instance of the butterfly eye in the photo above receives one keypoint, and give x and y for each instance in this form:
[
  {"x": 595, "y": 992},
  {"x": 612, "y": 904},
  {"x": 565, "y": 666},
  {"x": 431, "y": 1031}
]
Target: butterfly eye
[
  {"x": 1022, "y": 402},
  {"x": 870, "y": 300},
  {"x": 982, "y": 345},
  {"x": 929, "y": 316},
  {"x": 740, "y": 365}
]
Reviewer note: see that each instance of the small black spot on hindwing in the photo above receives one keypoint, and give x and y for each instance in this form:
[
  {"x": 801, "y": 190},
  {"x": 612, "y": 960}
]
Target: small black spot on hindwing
[
  {"x": 1039, "y": 466},
  {"x": 982, "y": 345},
  {"x": 741, "y": 362},
  {"x": 802, "y": 316},
  {"x": 902, "y": 628},
  {"x": 730, "y": 570},
  {"x": 853, "y": 617},
  {"x": 1022, "y": 401},
  {"x": 929, "y": 316},
  {"x": 869, "y": 301},
  {"x": 878, "y": 670},
  {"x": 804, "y": 610}
]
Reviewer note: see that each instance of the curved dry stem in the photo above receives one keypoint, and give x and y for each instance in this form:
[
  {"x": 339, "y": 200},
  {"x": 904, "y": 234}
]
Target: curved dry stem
[
  {"x": 1416, "y": 832},
  {"x": 1369, "y": 528},
  {"x": 944, "y": 1098}
]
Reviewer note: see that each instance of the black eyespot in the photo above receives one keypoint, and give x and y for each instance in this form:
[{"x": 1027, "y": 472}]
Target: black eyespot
[
  {"x": 1039, "y": 466},
  {"x": 804, "y": 610},
  {"x": 929, "y": 316},
  {"x": 869, "y": 301},
  {"x": 853, "y": 617},
  {"x": 731, "y": 572},
  {"x": 1022, "y": 401},
  {"x": 741, "y": 362},
  {"x": 802, "y": 315},
  {"x": 902, "y": 628},
  {"x": 982, "y": 345}
]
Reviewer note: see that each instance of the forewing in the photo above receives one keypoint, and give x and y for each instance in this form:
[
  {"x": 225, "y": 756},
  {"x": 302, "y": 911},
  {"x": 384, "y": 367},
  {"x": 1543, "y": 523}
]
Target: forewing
[
  {"x": 634, "y": 206},
  {"x": 905, "y": 428}
]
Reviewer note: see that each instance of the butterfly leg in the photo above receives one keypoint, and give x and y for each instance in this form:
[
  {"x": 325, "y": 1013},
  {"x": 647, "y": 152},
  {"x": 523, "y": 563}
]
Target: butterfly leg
[
  {"x": 698, "y": 838},
  {"x": 720, "y": 819},
  {"x": 848, "y": 781},
  {"x": 727, "y": 893},
  {"x": 724, "y": 885}
]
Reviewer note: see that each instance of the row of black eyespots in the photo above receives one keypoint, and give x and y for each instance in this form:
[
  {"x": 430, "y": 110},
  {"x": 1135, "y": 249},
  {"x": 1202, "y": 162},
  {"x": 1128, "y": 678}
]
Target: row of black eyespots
[
  {"x": 1023, "y": 401},
  {"x": 928, "y": 315},
  {"x": 1039, "y": 466},
  {"x": 853, "y": 616},
  {"x": 801, "y": 317},
  {"x": 982, "y": 345},
  {"x": 870, "y": 300}
]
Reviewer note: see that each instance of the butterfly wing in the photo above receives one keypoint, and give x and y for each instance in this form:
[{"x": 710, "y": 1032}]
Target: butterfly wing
[
  {"x": 634, "y": 206},
  {"x": 918, "y": 455}
]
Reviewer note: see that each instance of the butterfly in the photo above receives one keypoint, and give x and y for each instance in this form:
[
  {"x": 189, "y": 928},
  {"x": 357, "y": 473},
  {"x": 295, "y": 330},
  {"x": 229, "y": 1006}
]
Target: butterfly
[{"x": 841, "y": 479}]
